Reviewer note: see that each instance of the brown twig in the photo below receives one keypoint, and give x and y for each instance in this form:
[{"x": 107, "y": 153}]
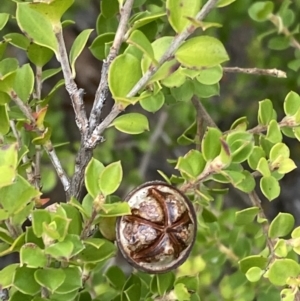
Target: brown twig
[
  {"x": 256, "y": 71},
  {"x": 76, "y": 94}
]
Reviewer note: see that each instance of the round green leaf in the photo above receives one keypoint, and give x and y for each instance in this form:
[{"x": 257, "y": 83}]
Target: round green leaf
[
  {"x": 282, "y": 269},
  {"x": 110, "y": 178},
  {"x": 206, "y": 91},
  {"x": 265, "y": 111},
  {"x": 132, "y": 123},
  {"x": 291, "y": 103},
  {"x": 92, "y": 173},
  {"x": 210, "y": 76},
  {"x": 72, "y": 280},
  {"x": 50, "y": 278},
  {"x": 211, "y": 145},
  {"x": 254, "y": 274},
  {"x": 281, "y": 225},
  {"x": 256, "y": 155},
  {"x": 39, "y": 55},
  {"x": 32, "y": 256},
  {"x": 30, "y": 286},
  {"x": 203, "y": 51},
  {"x": 279, "y": 150},
  {"x": 98, "y": 46},
  {"x": 124, "y": 73},
  {"x": 179, "y": 11},
  {"x": 7, "y": 274},
  {"x": 3, "y": 19},
  {"x": 246, "y": 216},
  {"x": 252, "y": 261},
  {"x": 269, "y": 187},
  {"x": 260, "y": 11},
  {"x": 17, "y": 40},
  {"x": 153, "y": 103}
]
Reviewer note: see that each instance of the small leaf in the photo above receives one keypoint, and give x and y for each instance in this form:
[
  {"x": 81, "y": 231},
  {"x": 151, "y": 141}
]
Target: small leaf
[
  {"x": 279, "y": 150},
  {"x": 124, "y": 73},
  {"x": 36, "y": 26},
  {"x": 210, "y": 76},
  {"x": 72, "y": 280},
  {"x": 263, "y": 167},
  {"x": 260, "y": 11},
  {"x": 256, "y": 155},
  {"x": 254, "y": 274},
  {"x": 181, "y": 292},
  {"x": 265, "y": 112},
  {"x": 286, "y": 166},
  {"x": 246, "y": 216},
  {"x": 269, "y": 187},
  {"x": 291, "y": 103},
  {"x": 92, "y": 173},
  {"x": 110, "y": 178},
  {"x": 153, "y": 103},
  {"x": 281, "y": 270},
  {"x": 18, "y": 40},
  {"x": 115, "y": 209},
  {"x": 274, "y": 134},
  {"x": 28, "y": 287},
  {"x": 281, "y": 225},
  {"x": 131, "y": 123},
  {"x": 211, "y": 145},
  {"x": 206, "y": 91},
  {"x": 24, "y": 82},
  {"x": 77, "y": 47},
  {"x": 49, "y": 73},
  {"x": 7, "y": 274},
  {"x": 252, "y": 261},
  {"x": 3, "y": 20},
  {"x": 32, "y": 256},
  {"x": 179, "y": 11},
  {"x": 203, "y": 51},
  {"x": 39, "y": 55},
  {"x": 4, "y": 121},
  {"x": 98, "y": 46},
  {"x": 50, "y": 278}
]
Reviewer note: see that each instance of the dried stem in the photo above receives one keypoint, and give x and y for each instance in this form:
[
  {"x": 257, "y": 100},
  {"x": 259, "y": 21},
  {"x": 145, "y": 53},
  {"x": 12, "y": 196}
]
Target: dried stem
[
  {"x": 256, "y": 71},
  {"x": 177, "y": 41},
  {"x": 102, "y": 90},
  {"x": 76, "y": 94}
]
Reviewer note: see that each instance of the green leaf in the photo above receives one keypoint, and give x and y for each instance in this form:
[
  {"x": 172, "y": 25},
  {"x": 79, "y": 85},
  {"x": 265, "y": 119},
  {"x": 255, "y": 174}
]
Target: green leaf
[
  {"x": 175, "y": 79},
  {"x": 7, "y": 67},
  {"x": 24, "y": 82},
  {"x": 247, "y": 184},
  {"x": 92, "y": 173},
  {"x": 39, "y": 217},
  {"x": 153, "y": 103},
  {"x": 192, "y": 164},
  {"x": 265, "y": 112},
  {"x": 252, "y": 261},
  {"x": 291, "y": 103},
  {"x": 279, "y": 150},
  {"x": 49, "y": 73},
  {"x": 181, "y": 292},
  {"x": 32, "y": 256},
  {"x": 72, "y": 280},
  {"x": 115, "y": 209},
  {"x": 7, "y": 274},
  {"x": 281, "y": 270},
  {"x": 139, "y": 40},
  {"x": 255, "y": 156},
  {"x": 116, "y": 277},
  {"x": 50, "y": 278},
  {"x": 109, "y": 8},
  {"x": 279, "y": 43},
  {"x": 73, "y": 214},
  {"x": 281, "y": 225},
  {"x": 98, "y": 46},
  {"x": 210, "y": 76},
  {"x": 222, "y": 3},
  {"x": 260, "y": 11},
  {"x": 280, "y": 248},
  {"x": 60, "y": 250},
  {"x": 164, "y": 282},
  {"x": 4, "y": 121},
  {"x": 286, "y": 166},
  {"x": 132, "y": 288},
  {"x": 183, "y": 92},
  {"x": 3, "y": 20},
  {"x": 203, "y": 51},
  {"x": 131, "y": 123},
  {"x": 269, "y": 187},
  {"x": 246, "y": 216},
  {"x": 36, "y": 26},
  {"x": 179, "y": 12},
  {"x": 274, "y": 134},
  {"x": 16, "y": 196},
  {"x": 205, "y": 91},
  {"x": 18, "y": 40},
  {"x": 39, "y": 55},
  {"x": 110, "y": 178},
  {"x": 254, "y": 274},
  {"x": 77, "y": 48},
  {"x": 263, "y": 167},
  {"x": 211, "y": 145},
  {"x": 124, "y": 73},
  {"x": 28, "y": 287}
]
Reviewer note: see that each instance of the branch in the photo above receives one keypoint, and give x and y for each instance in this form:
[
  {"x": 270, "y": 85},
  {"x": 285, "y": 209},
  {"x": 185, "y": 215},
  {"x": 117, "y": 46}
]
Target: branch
[
  {"x": 47, "y": 146},
  {"x": 102, "y": 90},
  {"x": 256, "y": 71},
  {"x": 177, "y": 41},
  {"x": 76, "y": 94}
]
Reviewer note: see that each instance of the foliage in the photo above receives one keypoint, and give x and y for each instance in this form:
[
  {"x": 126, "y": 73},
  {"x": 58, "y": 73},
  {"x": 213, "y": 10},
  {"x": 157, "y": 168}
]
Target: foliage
[{"x": 159, "y": 54}]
